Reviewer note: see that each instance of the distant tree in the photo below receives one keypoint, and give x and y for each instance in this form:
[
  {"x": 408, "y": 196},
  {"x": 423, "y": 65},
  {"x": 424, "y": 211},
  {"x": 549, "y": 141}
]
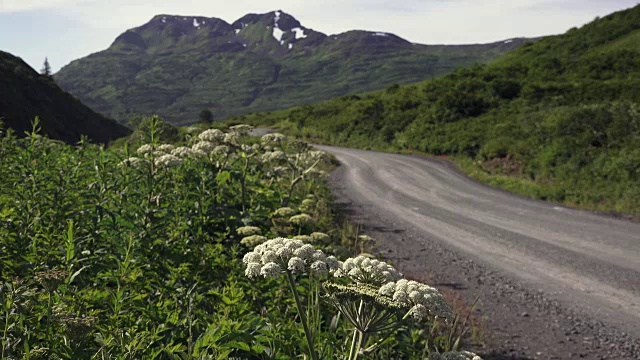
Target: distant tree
[
  {"x": 206, "y": 116},
  {"x": 46, "y": 69}
]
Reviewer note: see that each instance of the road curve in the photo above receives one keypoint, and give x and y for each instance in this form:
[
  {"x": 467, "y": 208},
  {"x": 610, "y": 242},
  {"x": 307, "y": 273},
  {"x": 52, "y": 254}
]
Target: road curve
[{"x": 582, "y": 259}]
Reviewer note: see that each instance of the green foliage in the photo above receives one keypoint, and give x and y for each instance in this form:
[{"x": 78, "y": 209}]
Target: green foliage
[
  {"x": 556, "y": 119},
  {"x": 121, "y": 259},
  {"x": 174, "y": 69}
]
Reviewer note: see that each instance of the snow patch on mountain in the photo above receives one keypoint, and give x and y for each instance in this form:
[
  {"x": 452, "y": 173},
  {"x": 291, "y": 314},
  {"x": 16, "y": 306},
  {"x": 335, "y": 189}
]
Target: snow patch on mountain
[
  {"x": 237, "y": 31},
  {"x": 277, "y": 33},
  {"x": 299, "y": 33},
  {"x": 196, "y": 23},
  {"x": 380, "y": 34}
]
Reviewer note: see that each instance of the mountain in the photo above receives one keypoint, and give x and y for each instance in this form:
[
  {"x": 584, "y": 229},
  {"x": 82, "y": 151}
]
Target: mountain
[
  {"x": 177, "y": 66},
  {"x": 25, "y": 94},
  {"x": 556, "y": 119}
]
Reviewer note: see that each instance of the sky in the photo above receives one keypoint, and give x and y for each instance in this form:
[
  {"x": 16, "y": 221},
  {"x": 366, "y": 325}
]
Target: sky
[{"x": 65, "y": 30}]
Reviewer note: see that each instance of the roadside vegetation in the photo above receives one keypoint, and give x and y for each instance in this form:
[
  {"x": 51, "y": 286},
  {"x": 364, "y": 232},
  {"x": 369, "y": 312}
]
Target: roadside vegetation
[
  {"x": 557, "y": 119},
  {"x": 217, "y": 245}
]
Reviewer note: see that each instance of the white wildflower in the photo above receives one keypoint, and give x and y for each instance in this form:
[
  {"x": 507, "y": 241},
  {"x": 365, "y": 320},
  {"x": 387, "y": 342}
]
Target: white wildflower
[
  {"x": 270, "y": 270},
  {"x": 362, "y": 269},
  {"x": 221, "y": 150},
  {"x": 411, "y": 293},
  {"x": 212, "y": 135},
  {"x": 304, "y": 238},
  {"x": 166, "y": 148},
  {"x": 248, "y": 230},
  {"x": 288, "y": 254},
  {"x": 252, "y": 240},
  {"x": 301, "y": 219},
  {"x": 204, "y": 146},
  {"x": 306, "y": 252},
  {"x": 296, "y": 265},
  {"x": 168, "y": 161},
  {"x": 145, "y": 149},
  {"x": 319, "y": 268},
  {"x": 231, "y": 138},
  {"x": 251, "y": 257},
  {"x": 253, "y": 270},
  {"x": 241, "y": 129},
  {"x": 273, "y": 138},
  {"x": 283, "y": 212}
]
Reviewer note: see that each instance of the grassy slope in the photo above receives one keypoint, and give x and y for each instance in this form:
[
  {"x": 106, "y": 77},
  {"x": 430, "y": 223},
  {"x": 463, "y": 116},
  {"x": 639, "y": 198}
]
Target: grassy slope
[
  {"x": 556, "y": 119},
  {"x": 24, "y": 94},
  {"x": 176, "y": 70}
]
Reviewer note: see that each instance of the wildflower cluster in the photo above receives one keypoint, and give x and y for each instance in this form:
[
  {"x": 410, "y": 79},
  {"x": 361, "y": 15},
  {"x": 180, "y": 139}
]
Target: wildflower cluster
[
  {"x": 273, "y": 139},
  {"x": 422, "y": 300},
  {"x": 275, "y": 256},
  {"x": 283, "y": 212},
  {"x": 248, "y": 230},
  {"x": 301, "y": 219},
  {"x": 362, "y": 269},
  {"x": 168, "y": 160}
]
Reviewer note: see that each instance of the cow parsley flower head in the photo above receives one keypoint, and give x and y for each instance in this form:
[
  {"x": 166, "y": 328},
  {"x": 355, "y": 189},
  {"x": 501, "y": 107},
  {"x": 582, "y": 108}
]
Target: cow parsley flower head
[
  {"x": 145, "y": 149},
  {"x": 248, "y": 230},
  {"x": 277, "y": 255},
  {"x": 252, "y": 241},
  {"x": 304, "y": 238},
  {"x": 212, "y": 135},
  {"x": 182, "y": 152},
  {"x": 270, "y": 269},
  {"x": 204, "y": 146},
  {"x": 283, "y": 212},
  {"x": 231, "y": 138},
  {"x": 301, "y": 219},
  {"x": 166, "y": 148},
  {"x": 274, "y": 156},
  {"x": 168, "y": 161},
  {"x": 221, "y": 150},
  {"x": 362, "y": 269},
  {"x": 241, "y": 129},
  {"x": 422, "y": 300},
  {"x": 273, "y": 138}
]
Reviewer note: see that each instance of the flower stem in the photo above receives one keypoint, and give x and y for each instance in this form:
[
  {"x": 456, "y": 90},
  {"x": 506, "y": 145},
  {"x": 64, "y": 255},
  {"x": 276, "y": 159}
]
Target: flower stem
[{"x": 303, "y": 316}]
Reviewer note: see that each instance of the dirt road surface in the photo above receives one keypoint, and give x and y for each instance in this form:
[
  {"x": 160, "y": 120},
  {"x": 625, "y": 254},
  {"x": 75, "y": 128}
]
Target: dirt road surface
[{"x": 555, "y": 283}]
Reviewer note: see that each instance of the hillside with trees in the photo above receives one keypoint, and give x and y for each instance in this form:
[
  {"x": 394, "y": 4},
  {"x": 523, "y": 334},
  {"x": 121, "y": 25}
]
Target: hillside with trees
[{"x": 557, "y": 119}]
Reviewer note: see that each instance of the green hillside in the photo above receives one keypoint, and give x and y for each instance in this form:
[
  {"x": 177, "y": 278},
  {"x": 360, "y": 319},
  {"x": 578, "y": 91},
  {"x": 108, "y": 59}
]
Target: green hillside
[
  {"x": 24, "y": 94},
  {"x": 177, "y": 66},
  {"x": 557, "y": 119}
]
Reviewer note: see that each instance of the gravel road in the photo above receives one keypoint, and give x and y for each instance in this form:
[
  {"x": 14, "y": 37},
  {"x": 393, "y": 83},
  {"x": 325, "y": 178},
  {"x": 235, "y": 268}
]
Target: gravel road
[{"x": 556, "y": 283}]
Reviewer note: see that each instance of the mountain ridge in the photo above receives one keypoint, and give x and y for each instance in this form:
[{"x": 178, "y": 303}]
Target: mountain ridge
[{"x": 177, "y": 65}]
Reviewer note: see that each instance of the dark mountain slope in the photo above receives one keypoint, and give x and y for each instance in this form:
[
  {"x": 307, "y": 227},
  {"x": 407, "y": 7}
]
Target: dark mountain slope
[{"x": 25, "y": 94}]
